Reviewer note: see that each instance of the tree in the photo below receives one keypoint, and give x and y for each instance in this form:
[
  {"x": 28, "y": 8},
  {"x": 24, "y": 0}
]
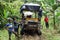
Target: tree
[
  {"x": 49, "y": 6},
  {"x": 9, "y": 1}
]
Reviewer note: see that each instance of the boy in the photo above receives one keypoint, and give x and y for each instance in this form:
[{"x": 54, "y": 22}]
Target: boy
[
  {"x": 46, "y": 22},
  {"x": 9, "y": 26}
]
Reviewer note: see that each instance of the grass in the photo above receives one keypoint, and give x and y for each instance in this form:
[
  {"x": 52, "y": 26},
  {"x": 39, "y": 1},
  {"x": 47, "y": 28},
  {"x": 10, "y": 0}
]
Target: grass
[
  {"x": 4, "y": 35},
  {"x": 48, "y": 34},
  {"x": 51, "y": 34}
]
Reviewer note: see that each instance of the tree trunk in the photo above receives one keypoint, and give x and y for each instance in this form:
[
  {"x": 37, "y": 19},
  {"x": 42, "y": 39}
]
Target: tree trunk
[{"x": 54, "y": 20}]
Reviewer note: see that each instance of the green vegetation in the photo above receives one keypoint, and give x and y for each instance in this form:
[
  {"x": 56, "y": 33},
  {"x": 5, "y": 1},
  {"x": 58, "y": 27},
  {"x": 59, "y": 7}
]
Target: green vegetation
[
  {"x": 4, "y": 35},
  {"x": 9, "y": 8},
  {"x": 48, "y": 34}
]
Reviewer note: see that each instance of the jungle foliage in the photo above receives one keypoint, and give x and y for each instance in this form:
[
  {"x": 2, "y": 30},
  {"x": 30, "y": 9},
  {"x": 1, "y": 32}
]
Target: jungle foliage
[{"x": 12, "y": 8}]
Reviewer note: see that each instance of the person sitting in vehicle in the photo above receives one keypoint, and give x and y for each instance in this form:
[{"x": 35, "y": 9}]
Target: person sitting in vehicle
[{"x": 28, "y": 14}]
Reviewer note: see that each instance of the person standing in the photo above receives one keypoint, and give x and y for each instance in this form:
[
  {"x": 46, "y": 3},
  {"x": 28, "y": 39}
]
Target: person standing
[
  {"x": 9, "y": 27},
  {"x": 16, "y": 28},
  {"x": 40, "y": 14},
  {"x": 46, "y": 21},
  {"x": 15, "y": 25}
]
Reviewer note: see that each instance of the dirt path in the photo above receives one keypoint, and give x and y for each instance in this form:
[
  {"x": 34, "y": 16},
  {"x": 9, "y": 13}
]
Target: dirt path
[{"x": 29, "y": 37}]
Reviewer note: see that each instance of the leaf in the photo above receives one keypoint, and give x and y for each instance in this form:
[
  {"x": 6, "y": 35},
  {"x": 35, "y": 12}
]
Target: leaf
[{"x": 54, "y": 7}]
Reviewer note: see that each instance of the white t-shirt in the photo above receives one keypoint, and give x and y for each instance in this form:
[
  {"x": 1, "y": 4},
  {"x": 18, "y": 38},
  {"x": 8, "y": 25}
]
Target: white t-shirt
[{"x": 28, "y": 13}]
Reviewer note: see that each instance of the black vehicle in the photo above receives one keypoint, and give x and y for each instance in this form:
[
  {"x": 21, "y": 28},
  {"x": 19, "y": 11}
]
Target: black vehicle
[{"x": 30, "y": 23}]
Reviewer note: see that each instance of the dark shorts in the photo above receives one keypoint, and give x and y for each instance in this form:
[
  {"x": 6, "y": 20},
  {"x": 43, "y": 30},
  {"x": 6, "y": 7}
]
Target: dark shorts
[
  {"x": 16, "y": 29},
  {"x": 10, "y": 33},
  {"x": 47, "y": 25}
]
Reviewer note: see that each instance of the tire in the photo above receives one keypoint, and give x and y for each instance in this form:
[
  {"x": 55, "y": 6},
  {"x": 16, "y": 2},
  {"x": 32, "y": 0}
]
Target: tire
[
  {"x": 22, "y": 32},
  {"x": 39, "y": 32}
]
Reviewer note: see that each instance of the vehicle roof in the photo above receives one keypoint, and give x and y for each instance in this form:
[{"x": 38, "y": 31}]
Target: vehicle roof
[
  {"x": 30, "y": 7},
  {"x": 31, "y": 4}
]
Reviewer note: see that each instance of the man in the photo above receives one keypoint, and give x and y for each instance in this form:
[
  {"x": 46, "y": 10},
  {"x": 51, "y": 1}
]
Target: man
[
  {"x": 40, "y": 14},
  {"x": 15, "y": 25},
  {"x": 9, "y": 26},
  {"x": 46, "y": 22}
]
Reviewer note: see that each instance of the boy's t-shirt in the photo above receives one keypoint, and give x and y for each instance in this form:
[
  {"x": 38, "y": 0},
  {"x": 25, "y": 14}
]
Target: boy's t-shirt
[
  {"x": 10, "y": 26},
  {"x": 46, "y": 19}
]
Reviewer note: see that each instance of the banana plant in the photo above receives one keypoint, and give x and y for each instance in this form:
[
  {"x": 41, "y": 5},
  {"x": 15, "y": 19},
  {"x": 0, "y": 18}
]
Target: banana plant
[{"x": 50, "y": 6}]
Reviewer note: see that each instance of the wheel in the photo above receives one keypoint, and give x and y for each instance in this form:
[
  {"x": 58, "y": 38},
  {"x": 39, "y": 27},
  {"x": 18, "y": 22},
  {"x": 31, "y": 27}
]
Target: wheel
[
  {"x": 39, "y": 32},
  {"x": 22, "y": 32}
]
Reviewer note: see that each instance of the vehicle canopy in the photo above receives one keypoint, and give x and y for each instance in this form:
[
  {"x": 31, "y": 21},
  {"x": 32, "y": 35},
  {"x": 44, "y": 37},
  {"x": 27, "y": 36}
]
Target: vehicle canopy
[{"x": 30, "y": 7}]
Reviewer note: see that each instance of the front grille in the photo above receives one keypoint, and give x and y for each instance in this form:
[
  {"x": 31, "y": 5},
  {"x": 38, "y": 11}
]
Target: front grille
[{"x": 32, "y": 23}]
